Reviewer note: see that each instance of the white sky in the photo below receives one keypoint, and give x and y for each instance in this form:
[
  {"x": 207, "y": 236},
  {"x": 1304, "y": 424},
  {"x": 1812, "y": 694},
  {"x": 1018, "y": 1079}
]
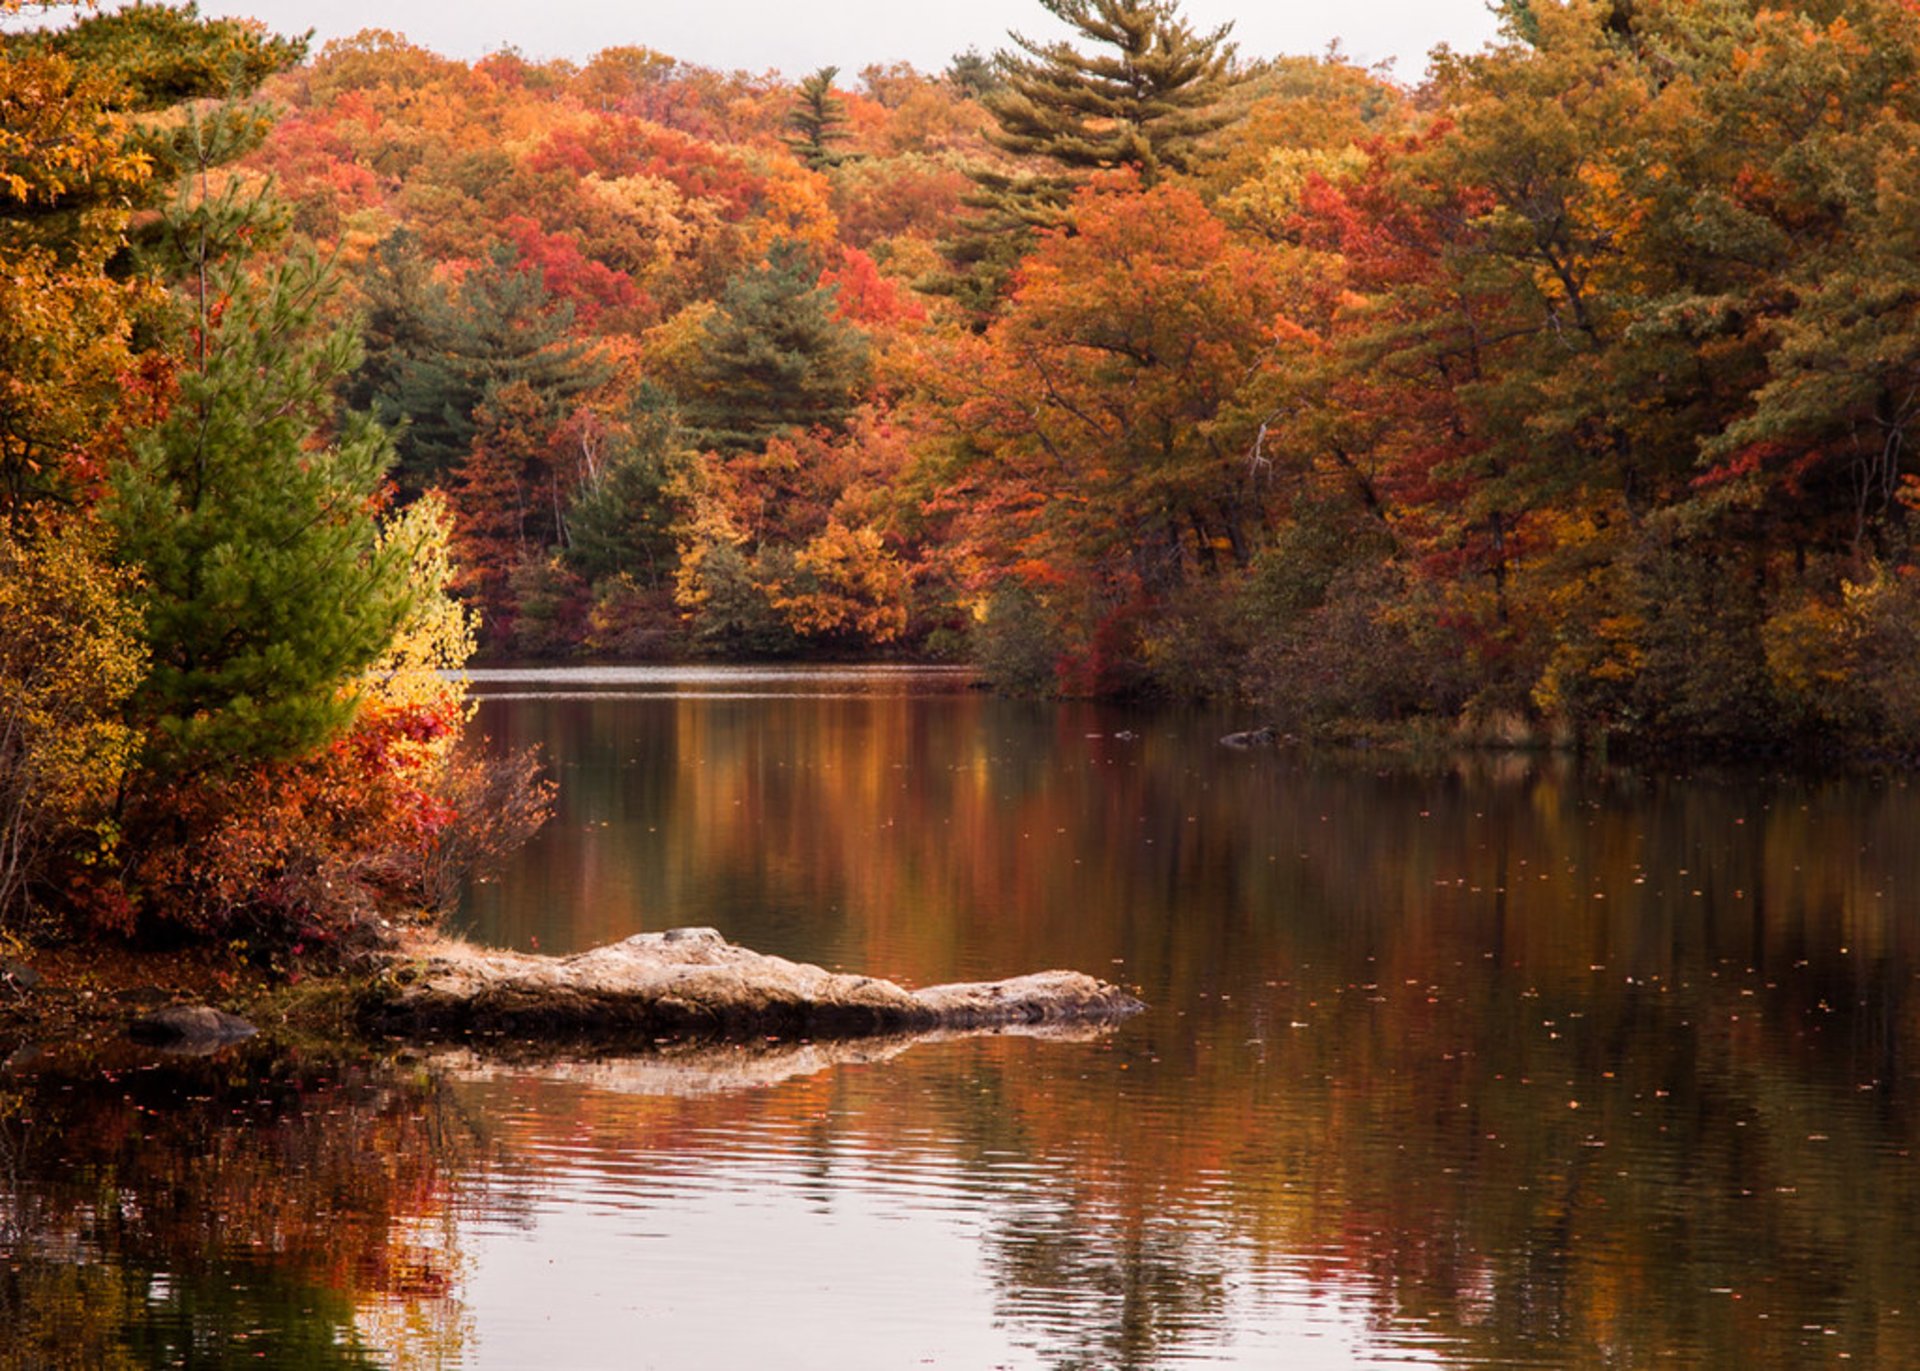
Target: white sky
[{"x": 797, "y": 38}]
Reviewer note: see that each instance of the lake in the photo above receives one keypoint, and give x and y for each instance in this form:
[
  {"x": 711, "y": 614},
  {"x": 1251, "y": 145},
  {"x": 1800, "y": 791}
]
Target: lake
[{"x": 1486, "y": 1061}]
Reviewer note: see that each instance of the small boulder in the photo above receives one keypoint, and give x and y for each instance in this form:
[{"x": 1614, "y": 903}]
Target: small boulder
[
  {"x": 1253, "y": 737},
  {"x": 189, "y": 1028}
]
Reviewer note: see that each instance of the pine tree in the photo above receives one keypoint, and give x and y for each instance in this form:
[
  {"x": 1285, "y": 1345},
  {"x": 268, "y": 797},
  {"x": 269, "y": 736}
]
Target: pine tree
[
  {"x": 1145, "y": 97},
  {"x": 775, "y": 357},
  {"x": 88, "y": 142},
  {"x": 403, "y": 301},
  {"x": 1147, "y": 104},
  {"x": 972, "y": 74},
  {"x": 625, "y": 509},
  {"x": 435, "y": 355},
  {"x": 818, "y": 120},
  {"x": 265, "y": 586}
]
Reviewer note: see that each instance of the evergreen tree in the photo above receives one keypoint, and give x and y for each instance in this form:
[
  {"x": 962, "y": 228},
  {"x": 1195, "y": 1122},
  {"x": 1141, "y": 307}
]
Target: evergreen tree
[
  {"x": 265, "y": 586},
  {"x": 818, "y": 120},
  {"x": 167, "y": 55},
  {"x": 972, "y": 73},
  {"x": 775, "y": 358},
  {"x": 1148, "y": 103},
  {"x": 435, "y": 355},
  {"x": 90, "y": 139},
  {"x": 1146, "y": 96},
  {"x": 625, "y": 509},
  {"x": 403, "y": 307}
]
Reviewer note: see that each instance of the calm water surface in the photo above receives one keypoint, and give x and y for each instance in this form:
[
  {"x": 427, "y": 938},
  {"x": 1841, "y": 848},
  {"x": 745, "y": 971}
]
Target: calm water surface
[{"x": 1491, "y": 1063}]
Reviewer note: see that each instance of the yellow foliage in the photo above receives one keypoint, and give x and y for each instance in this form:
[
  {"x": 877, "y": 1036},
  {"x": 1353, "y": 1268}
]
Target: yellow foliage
[
  {"x": 708, "y": 528},
  {"x": 1267, "y": 201},
  {"x": 70, "y": 656},
  {"x": 1808, "y": 647},
  {"x": 859, "y": 588},
  {"x": 671, "y": 223},
  {"x": 421, "y": 668},
  {"x": 669, "y": 349},
  {"x": 797, "y": 207}
]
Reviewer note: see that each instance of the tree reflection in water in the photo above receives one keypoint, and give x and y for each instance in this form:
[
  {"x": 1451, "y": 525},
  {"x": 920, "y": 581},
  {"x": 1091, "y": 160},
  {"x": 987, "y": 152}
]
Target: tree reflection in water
[
  {"x": 1092, "y": 1289},
  {"x": 1537, "y": 1063},
  {"x": 256, "y": 1207}
]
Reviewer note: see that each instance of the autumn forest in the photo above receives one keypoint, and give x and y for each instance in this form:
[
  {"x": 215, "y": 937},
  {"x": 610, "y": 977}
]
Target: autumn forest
[{"x": 1557, "y": 397}]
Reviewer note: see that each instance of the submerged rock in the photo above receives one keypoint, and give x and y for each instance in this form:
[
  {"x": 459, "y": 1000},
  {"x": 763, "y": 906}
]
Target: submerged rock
[
  {"x": 692, "y": 983},
  {"x": 190, "y": 1028},
  {"x": 1253, "y": 737}
]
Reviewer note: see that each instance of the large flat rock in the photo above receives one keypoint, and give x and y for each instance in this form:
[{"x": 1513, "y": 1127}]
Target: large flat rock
[{"x": 689, "y": 983}]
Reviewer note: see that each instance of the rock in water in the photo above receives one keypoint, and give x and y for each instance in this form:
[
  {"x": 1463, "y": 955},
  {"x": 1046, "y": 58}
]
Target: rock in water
[
  {"x": 1254, "y": 737},
  {"x": 692, "y": 983},
  {"x": 190, "y": 1028}
]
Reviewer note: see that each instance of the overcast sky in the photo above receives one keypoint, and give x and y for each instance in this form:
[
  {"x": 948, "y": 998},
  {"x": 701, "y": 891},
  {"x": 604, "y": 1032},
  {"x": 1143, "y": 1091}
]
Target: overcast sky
[{"x": 796, "y": 38}]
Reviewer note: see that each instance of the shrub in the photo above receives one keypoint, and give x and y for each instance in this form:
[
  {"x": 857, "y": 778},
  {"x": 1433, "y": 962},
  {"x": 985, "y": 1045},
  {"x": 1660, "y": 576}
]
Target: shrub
[
  {"x": 632, "y": 621},
  {"x": 1017, "y": 644}
]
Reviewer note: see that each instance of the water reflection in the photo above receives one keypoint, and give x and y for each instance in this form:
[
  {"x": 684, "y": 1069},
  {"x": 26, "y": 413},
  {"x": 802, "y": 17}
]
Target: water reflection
[
  {"x": 1496, "y": 1063},
  {"x": 1526, "y": 1057},
  {"x": 261, "y": 1207}
]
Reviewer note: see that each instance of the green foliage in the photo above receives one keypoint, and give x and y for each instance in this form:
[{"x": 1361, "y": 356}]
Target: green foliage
[
  {"x": 265, "y": 588},
  {"x": 128, "y": 72},
  {"x": 91, "y": 133},
  {"x": 775, "y": 357},
  {"x": 729, "y": 597},
  {"x": 1578, "y": 384},
  {"x": 625, "y": 510},
  {"x": 166, "y": 55},
  {"x": 1375, "y": 648},
  {"x": 1242, "y": 636},
  {"x": 973, "y": 73},
  {"x": 1702, "y": 669},
  {"x": 1016, "y": 644},
  {"x": 398, "y": 332},
  {"x": 549, "y": 604},
  {"x": 818, "y": 120},
  {"x": 435, "y": 354},
  {"x": 1146, "y": 96}
]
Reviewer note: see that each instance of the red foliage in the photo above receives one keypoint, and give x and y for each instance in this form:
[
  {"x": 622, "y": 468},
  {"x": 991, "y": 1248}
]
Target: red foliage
[
  {"x": 318, "y": 168},
  {"x": 618, "y": 146},
  {"x": 302, "y": 849},
  {"x": 592, "y": 287},
  {"x": 866, "y": 297},
  {"x": 1747, "y": 462},
  {"x": 1109, "y": 664}
]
